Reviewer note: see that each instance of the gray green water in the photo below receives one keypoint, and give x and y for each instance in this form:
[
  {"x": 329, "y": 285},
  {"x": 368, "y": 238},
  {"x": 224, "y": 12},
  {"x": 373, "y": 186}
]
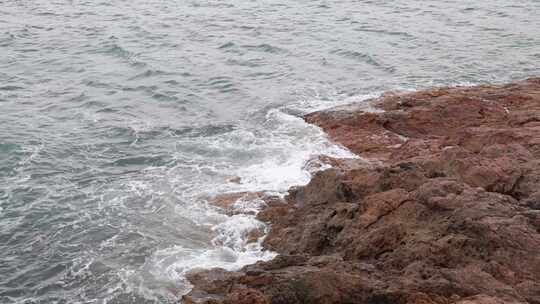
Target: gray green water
[{"x": 118, "y": 118}]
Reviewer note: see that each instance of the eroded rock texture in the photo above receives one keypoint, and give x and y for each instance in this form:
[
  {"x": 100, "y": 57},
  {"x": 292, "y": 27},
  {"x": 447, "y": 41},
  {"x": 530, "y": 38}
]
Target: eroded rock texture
[{"x": 446, "y": 209}]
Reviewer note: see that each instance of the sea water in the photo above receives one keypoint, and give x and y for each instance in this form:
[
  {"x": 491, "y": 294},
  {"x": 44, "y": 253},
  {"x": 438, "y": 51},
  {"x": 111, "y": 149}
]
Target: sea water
[{"x": 120, "y": 119}]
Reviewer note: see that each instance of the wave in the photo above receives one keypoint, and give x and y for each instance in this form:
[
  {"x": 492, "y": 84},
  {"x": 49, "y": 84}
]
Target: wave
[{"x": 269, "y": 154}]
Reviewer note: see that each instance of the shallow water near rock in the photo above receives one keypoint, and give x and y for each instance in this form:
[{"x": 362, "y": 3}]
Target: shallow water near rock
[{"x": 118, "y": 119}]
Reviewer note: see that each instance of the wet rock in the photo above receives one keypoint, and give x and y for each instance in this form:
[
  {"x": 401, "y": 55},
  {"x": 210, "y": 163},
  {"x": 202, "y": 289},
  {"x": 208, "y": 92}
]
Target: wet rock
[
  {"x": 242, "y": 202},
  {"x": 213, "y": 281}
]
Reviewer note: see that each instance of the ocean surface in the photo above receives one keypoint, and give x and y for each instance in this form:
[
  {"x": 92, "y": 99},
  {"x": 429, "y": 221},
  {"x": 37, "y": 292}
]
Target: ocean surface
[{"x": 119, "y": 119}]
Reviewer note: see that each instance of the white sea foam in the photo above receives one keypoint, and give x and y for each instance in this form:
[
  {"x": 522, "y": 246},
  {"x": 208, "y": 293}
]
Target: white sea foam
[
  {"x": 229, "y": 250},
  {"x": 309, "y": 105},
  {"x": 291, "y": 143}
]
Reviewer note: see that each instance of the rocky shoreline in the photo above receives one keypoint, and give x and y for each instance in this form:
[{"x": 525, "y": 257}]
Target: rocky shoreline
[{"x": 442, "y": 207}]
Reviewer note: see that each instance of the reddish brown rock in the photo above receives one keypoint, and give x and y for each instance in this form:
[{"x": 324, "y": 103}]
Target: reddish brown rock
[
  {"x": 213, "y": 281},
  {"x": 443, "y": 207},
  {"x": 227, "y": 201}
]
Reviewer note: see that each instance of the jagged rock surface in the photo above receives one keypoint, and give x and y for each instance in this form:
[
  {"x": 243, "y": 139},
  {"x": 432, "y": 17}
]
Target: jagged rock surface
[{"x": 446, "y": 209}]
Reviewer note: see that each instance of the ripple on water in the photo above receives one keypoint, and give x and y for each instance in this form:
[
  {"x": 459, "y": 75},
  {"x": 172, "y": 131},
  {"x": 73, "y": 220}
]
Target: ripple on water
[
  {"x": 266, "y": 48},
  {"x": 116, "y": 50},
  {"x": 153, "y": 73},
  {"x": 223, "y": 84},
  {"x": 10, "y": 88},
  {"x": 251, "y": 63},
  {"x": 365, "y": 58},
  {"x": 380, "y": 31}
]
